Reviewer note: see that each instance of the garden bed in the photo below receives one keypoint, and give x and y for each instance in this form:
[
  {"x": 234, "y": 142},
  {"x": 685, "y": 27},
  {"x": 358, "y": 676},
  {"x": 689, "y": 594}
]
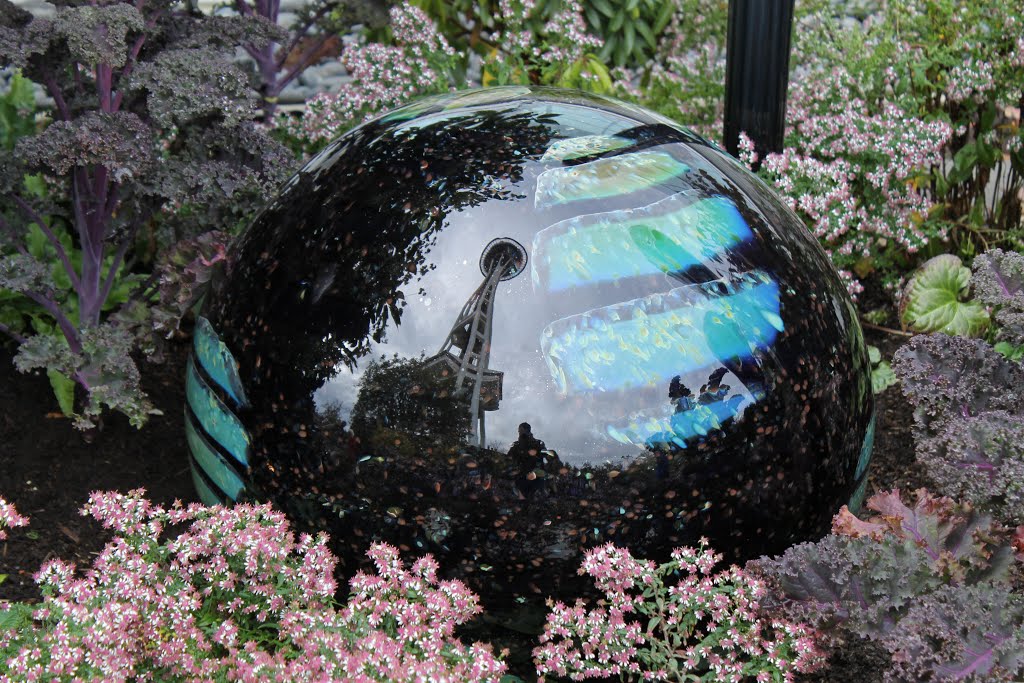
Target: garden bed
[{"x": 50, "y": 469}]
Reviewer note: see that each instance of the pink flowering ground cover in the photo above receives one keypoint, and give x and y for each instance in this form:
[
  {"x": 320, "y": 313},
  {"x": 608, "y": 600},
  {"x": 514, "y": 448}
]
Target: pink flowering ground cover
[{"x": 236, "y": 598}]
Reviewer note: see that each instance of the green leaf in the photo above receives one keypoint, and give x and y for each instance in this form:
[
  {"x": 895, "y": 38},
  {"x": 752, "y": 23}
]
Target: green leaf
[
  {"x": 35, "y": 185},
  {"x": 932, "y": 300},
  {"x": 593, "y": 18},
  {"x": 64, "y": 390},
  {"x": 16, "y": 617},
  {"x": 1010, "y": 351},
  {"x": 882, "y": 377},
  {"x": 616, "y": 22},
  {"x": 647, "y": 34},
  {"x": 597, "y": 68},
  {"x": 604, "y": 8},
  {"x": 977, "y": 214},
  {"x": 36, "y": 242},
  {"x": 988, "y": 118},
  {"x": 664, "y": 16},
  {"x": 630, "y": 38},
  {"x": 963, "y": 164},
  {"x": 874, "y": 355},
  {"x": 988, "y": 155}
]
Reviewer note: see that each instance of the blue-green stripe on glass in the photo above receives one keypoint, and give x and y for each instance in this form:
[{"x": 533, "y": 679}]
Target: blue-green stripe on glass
[
  {"x": 607, "y": 177},
  {"x": 865, "y": 449},
  {"x": 667, "y": 236},
  {"x": 215, "y": 417},
  {"x": 206, "y": 494},
  {"x": 213, "y": 463},
  {"x": 647, "y": 341},
  {"x": 217, "y": 361}
]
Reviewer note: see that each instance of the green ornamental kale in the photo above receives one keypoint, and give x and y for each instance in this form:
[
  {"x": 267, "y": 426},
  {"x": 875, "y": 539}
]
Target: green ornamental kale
[{"x": 152, "y": 129}]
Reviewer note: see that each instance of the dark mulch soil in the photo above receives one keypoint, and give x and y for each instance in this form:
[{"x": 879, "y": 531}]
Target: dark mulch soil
[{"x": 48, "y": 469}]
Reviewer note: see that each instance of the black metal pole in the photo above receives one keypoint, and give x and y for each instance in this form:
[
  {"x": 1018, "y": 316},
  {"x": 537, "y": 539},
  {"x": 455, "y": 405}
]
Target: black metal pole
[{"x": 757, "y": 73}]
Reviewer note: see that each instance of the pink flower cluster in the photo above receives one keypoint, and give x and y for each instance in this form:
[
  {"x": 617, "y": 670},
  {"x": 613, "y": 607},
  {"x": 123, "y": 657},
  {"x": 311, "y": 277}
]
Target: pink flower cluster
[
  {"x": 855, "y": 172},
  {"x": 559, "y": 47},
  {"x": 382, "y": 77},
  {"x": 706, "y": 625},
  {"x": 236, "y": 598},
  {"x": 9, "y": 517},
  {"x": 970, "y": 80},
  {"x": 567, "y": 37}
]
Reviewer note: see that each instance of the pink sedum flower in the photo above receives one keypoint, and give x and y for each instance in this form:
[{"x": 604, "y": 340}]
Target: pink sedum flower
[
  {"x": 234, "y": 597},
  {"x": 9, "y": 517},
  {"x": 713, "y": 618}
]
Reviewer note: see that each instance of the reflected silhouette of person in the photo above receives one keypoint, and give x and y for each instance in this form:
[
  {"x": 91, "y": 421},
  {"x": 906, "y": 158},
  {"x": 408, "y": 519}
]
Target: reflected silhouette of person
[
  {"x": 526, "y": 455},
  {"x": 714, "y": 390},
  {"x": 680, "y": 395}
]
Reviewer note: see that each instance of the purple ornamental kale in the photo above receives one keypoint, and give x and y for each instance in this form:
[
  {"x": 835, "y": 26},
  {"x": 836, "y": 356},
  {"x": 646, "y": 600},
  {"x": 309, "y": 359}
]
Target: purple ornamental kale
[
  {"x": 968, "y": 417},
  {"x": 943, "y": 376},
  {"x": 999, "y": 284},
  {"x": 152, "y": 127},
  {"x": 960, "y": 633},
  {"x": 901, "y": 578}
]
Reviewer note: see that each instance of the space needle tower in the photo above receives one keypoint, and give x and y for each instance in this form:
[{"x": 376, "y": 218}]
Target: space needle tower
[{"x": 466, "y": 350}]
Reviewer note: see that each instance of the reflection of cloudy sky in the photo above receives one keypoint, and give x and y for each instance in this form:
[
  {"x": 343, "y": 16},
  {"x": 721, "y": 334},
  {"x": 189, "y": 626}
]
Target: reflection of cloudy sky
[{"x": 575, "y": 425}]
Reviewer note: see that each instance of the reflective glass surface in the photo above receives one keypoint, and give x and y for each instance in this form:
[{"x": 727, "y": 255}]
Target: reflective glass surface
[{"x": 507, "y": 325}]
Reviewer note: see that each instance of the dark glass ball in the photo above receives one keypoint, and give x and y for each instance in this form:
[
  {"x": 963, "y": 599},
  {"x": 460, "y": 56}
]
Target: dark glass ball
[{"x": 507, "y": 325}]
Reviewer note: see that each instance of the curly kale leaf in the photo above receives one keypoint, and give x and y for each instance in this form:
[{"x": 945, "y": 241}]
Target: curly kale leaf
[
  {"x": 185, "y": 274},
  {"x": 980, "y": 459},
  {"x": 190, "y": 84},
  {"x": 104, "y": 367},
  {"x": 960, "y": 633},
  {"x": 20, "y": 273},
  {"x": 999, "y": 283},
  {"x": 120, "y": 142},
  {"x": 962, "y": 544},
  {"x": 943, "y": 375},
  {"x": 842, "y": 585},
  {"x": 868, "y": 574}
]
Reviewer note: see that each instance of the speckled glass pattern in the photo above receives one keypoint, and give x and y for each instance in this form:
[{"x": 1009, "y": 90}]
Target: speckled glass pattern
[{"x": 508, "y": 325}]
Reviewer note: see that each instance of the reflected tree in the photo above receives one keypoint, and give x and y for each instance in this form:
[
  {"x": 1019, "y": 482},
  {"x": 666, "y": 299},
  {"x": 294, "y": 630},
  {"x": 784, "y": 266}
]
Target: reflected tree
[{"x": 401, "y": 395}]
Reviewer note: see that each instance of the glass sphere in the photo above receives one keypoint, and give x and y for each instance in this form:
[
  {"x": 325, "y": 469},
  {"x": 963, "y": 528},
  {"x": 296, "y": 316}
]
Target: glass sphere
[{"x": 506, "y": 325}]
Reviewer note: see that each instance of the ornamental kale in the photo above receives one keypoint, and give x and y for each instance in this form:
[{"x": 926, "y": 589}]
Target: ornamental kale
[
  {"x": 968, "y": 419},
  {"x": 887, "y": 577},
  {"x": 961, "y": 633},
  {"x": 151, "y": 121},
  {"x": 999, "y": 284}
]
